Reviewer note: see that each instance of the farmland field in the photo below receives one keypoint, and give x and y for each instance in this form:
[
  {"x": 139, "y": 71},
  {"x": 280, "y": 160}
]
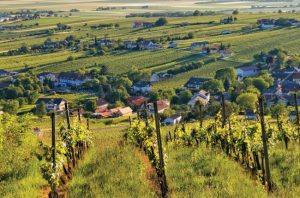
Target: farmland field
[{"x": 244, "y": 44}]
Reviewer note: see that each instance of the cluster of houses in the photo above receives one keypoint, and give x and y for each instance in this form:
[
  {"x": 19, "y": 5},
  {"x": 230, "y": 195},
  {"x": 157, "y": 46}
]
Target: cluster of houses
[
  {"x": 271, "y": 23},
  {"x": 135, "y": 103},
  {"x": 286, "y": 82},
  {"x": 206, "y": 49},
  {"x": 142, "y": 24},
  {"x": 4, "y": 73},
  {"x": 65, "y": 79}
]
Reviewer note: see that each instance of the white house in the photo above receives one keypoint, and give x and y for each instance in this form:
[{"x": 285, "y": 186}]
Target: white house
[
  {"x": 154, "y": 78},
  {"x": 244, "y": 72},
  {"x": 55, "y": 104},
  {"x": 202, "y": 96},
  {"x": 142, "y": 87},
  {"x": 267, "y": 26},
  {"x": 4, "y": 73},
  {"x": 225, "y": 54},
  {"x": 162, "y": 105},
  {"x": 4, "y": 19},
  {"x": 71, "y": 79},
  {"x": 130, "y": 45},
  {"x": 296, "y": 77},
  {"x": 226, "y": 32},
  {"x": 46, "y": 75},
  {"x": 172, "y": 44},
  {"x": 175, "y": 119},
  {"x": 149, "y": 45}
]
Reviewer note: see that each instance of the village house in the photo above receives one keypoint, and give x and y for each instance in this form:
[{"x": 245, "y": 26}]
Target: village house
[
  {"x": 71, "y": 79},
  {"x": 8, "y": 27},
  {"x": 4, "y": 19},
  {"x": 149, "y": 45},
  {"x": 47, "y": 75},
  {"x": 112, "y": 113},
  {"x": 118, "y": 112},
  {"x": 202, "y": 97},
  {"x": 244, "y": 72},
  {"x": 172, "y": 44},
  {"x": 175, "y": 119},
  {"x": 293, "y": 116},
  {"x": 101, "y": 103},
  {"x": 48, "y": 45},
  {"x": 296, "y": 77},
  {"x": 158, "y": 77},
  {"x": 199, "y": 44},
  {"x": 137, "y": 102},
  {"x": 105, "y": 42},
  {"x": 130, "y": 45},
  {"x": 225, "y": 54},
  {"x": 195, "y": 84},
  {"x": 141, "y": 87},
  {"x": 266, "y": 23},
  {"x": 250, "y": 115},
  {"x": 210, "y": 50},
  {"x": 53, "y": 104},
  {"x": 142, "y": 24},
  {"x": 226, "y": 32},
  {"x": 4, "y": 73},
  {"x": 162, "y": 105}
]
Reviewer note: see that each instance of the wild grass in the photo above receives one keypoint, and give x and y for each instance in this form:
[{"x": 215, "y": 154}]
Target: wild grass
[
  {"x": 117, "y": 171},
  {"x": 203, "y": 172}
]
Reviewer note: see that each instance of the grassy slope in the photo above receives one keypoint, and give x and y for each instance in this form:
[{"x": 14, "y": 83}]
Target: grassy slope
[
  {"x": 117, "y": 171},
  {"x": 206, "y": 173}
]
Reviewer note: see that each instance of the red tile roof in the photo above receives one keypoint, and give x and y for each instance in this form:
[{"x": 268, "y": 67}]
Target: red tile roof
[{"x": 139, "y": 100}]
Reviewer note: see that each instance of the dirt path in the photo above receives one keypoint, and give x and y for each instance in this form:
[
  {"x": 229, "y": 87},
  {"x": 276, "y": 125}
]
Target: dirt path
[{"x": 151, "y": 175}]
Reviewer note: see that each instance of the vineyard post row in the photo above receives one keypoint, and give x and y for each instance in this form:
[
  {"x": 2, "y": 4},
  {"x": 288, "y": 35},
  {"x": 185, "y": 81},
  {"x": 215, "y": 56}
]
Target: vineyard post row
[
  {"x": 164, "y": 186},
  {"x": 54, "y": 193},
  {"x": 265, "y": 146}
]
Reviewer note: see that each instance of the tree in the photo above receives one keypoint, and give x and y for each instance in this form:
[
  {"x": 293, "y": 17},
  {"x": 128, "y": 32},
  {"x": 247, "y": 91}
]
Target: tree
[
  {"x": 215, "y": 86},
  {"x": 279, "y": 109},
  {"x": 103, "y": 70},
  {"x": 196, "y": 13},
  {"x": 161, "y": 22},
  {"x": 90, "y": 105},
  {"x": 191, "y": 35},
  {"x": 70, "y": 58},
  {"x": 185, "y": 96},
  {"x": 235, "y": 12},
  {"x": 40, "y": 109},
  {"x": 226, "y": 84},
  {"x": 260, "y": 84},
  {"x": 247, "y": 100},
  {"x": 226, "y": 73},
  {"x": 11, "y": 107}
]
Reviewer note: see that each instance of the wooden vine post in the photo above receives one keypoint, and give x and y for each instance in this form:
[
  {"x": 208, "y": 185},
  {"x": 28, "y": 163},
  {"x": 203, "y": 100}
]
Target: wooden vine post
[
  {"x": 223, "y": 111},
  {"x": 265, "y": 146},
  {"x": 296, "y": 109},
  {"x": 201, "y": 114},
  {"x": 53, "y": 187},
  {"x": 163, "y": 179},
  {"x": 68, "y": 115},
  {"x": 88, "y": 123},
  {"x": 297, "y": 114},
  {"x": 130, "y": 121},
  {"x": 78, "y": 112}
]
